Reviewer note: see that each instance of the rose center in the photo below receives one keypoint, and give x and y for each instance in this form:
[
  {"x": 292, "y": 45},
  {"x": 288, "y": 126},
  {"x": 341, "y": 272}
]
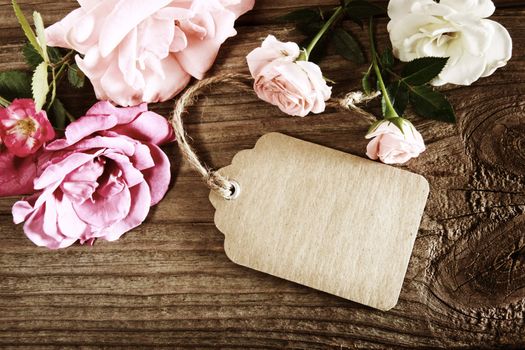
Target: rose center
[
  {"x": 450, "y": 35},
  {"x": 27, "y": 126}
]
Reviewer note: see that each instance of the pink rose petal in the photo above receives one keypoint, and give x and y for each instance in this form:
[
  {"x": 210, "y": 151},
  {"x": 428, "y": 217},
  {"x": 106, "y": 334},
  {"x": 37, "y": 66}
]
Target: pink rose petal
[
  {"x": 159, "y": 177},
  {"x": 145, "y": 51}
]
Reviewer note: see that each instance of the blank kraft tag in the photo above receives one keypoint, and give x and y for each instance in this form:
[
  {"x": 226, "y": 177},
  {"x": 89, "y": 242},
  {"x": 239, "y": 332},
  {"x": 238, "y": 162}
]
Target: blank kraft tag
[{"x": 322, "y": 218}]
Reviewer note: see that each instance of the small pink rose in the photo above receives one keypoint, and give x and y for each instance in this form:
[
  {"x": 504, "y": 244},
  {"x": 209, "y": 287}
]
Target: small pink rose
[
  {"x": 137, "y": 51},
  {"x": 296, "y": 87},
  {"x": 100, "y": 180},
  {"x": 393, "y": 146},
  {"x": 22, "y": 129}
]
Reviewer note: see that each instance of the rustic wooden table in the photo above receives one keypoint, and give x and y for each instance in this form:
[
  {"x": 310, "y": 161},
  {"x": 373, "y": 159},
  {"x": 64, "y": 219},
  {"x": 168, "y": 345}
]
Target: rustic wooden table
[{"x": 169, "y": 283}]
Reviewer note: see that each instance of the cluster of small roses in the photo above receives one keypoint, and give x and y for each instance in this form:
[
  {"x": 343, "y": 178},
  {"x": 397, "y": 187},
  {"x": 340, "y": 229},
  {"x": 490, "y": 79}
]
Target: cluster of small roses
[
  {"x": 101, "y": 177},
  {"x": 419, "y": 30}
]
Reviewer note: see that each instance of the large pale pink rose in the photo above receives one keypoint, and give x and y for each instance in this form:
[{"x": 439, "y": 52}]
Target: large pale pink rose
[
  {"x": 297, "y": 87},
  {"x": 100, "y": 180},
  {"x": 395, "y": 144},
  {"x": 137, "y": 51}
]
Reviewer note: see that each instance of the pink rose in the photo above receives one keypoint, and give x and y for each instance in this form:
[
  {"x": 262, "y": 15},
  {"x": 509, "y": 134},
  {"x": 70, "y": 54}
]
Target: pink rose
[
  {"x": 296, "y": 87},
  {"x": 22, "y": 129},
  {"x": 100, "y": 180},
  {"x": 17, "y": 174},
  {"x": 137, "y": 51},
  {"x": 393, "y": 146}
]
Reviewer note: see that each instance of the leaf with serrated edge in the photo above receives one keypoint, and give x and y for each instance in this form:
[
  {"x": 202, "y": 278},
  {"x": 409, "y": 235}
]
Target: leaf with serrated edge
[
  {"x": 33, "y": 57},
  {"x": 40, "y": 86},
  {"x": 40, "y": 35},
  {"x": 431, "y": 104},
  {"x": 75, "y": 76},
  {"x": 422, "y": 70},
  {"x": 28, "y": 31}
]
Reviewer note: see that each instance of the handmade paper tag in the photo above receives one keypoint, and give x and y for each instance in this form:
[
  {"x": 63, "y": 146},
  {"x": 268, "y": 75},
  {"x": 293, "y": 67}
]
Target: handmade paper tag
[{"x": 322, "y": 218}]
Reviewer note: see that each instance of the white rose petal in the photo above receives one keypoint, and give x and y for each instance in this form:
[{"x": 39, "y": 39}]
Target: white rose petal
[{"x": 457, "y": 29}]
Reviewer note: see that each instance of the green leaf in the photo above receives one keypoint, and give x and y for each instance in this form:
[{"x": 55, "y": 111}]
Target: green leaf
[
  {"x": 431, "y": 104},
  {"x": 40, "y": 35},
  {"x": 40, "y": 85},
  {"x": 15, "y": 84},
  {"x": 366, "y": 81},
  {"x": 75, "y": 76},
  {"x": 422, "y": 70},
  {"x": 33, "y": 58},
  {"x": 54, "y": 54},
  {"x": 347, "y": 46},
  {"x": 58, "y": 114},
  {"x": 310, "y": 28},
  {"x": 399, "y": 96},
  {"x": 387, "y": 59},
  {"x": 302, "y": 16},
  {"x": 361, "y": 9},
  {"x": 28, "y": 31}
]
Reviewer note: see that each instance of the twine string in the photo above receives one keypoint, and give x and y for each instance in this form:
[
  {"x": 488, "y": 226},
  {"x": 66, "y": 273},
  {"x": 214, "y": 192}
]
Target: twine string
[
  {"x": 352, "y": 100},
  {"x": 214, "y": 180}
]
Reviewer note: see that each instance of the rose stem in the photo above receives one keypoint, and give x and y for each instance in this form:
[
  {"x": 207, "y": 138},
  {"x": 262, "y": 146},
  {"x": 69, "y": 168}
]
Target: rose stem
[
  {"x": 390, "y": 111},
  {"x": 335, "y": 17}
]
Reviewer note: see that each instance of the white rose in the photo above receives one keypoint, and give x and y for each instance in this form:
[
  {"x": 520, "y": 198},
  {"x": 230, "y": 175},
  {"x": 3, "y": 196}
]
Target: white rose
[{"x": 451, "y": 28}]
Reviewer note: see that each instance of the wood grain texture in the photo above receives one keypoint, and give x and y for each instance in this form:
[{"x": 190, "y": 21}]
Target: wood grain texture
[{"x": 169, "y": 284}]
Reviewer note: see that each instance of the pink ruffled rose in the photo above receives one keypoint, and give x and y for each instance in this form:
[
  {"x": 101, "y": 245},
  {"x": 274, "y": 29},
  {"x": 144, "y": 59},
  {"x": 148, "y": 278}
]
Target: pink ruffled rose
[
  {"x": 393, "y": 146},
  {"x": 17, "y": 174},
  {"x": 100, "y": 180},
  {"x": 137, "y": 51},
  {"x": 24, "y": 130},
  {"x": 297, "y": 87}
]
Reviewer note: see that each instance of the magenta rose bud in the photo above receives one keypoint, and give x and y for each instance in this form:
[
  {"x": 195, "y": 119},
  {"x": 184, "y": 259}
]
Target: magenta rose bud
[
  {"x": 393, "y": 146},
  {"x": 24, "y": 130},
  {"x": 100, "y": 180},
  {"x": 137, "y": 51},
  {"x": 297, "y": 87}
]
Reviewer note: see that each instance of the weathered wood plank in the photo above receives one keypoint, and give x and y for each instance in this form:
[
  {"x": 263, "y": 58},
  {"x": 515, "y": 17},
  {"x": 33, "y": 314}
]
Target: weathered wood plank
[{"x": 169, "y": 284}]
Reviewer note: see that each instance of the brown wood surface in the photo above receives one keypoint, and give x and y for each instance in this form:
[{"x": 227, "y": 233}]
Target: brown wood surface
[{"x": 169, "y": 283}]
